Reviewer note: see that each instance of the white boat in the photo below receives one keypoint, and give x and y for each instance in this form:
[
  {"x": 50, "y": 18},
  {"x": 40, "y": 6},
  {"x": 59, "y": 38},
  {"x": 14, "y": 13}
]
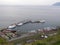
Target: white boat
[
  {"x": 12, "y": 26},
  {"x": 19, "y": 24},
  {"x": 42, "y": 21}
]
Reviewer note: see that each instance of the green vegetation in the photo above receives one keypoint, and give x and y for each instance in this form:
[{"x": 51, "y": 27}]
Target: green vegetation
[
  {"x": 4, "y": 42},
  {"x": 51, "y": 40}
]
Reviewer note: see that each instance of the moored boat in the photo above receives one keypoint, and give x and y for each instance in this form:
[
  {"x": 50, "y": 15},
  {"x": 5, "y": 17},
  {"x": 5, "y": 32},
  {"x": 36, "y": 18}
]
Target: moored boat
[
  {"x": 19, "y": 24},
  {"x": 28, "y": 21},
  {"x": 12, "y": 26},
  {"x": 42, "y": 21}
]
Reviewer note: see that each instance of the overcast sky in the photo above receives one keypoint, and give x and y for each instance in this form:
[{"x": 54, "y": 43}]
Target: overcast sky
[{"x": 28, "y": 2}]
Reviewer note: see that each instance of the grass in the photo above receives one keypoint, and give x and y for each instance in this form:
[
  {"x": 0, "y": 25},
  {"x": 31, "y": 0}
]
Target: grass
[
  {"x": 4, "y": 42},
  {"x": 52, "y": 40}
]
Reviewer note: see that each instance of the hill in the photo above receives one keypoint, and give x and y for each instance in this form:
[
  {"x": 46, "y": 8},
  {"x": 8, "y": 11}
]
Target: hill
[{"x": 56, "y": 4}]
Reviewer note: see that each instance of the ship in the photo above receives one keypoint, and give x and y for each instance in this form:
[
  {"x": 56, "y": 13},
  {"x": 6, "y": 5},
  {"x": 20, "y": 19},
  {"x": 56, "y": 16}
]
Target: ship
[
  {"x": 12, "y": 26},
  {"x": 27, "y": 21},
  {"x": 23, "y": 22},
  {"x": 42, "y": 21},
  {"x": 19, "y": 24}
]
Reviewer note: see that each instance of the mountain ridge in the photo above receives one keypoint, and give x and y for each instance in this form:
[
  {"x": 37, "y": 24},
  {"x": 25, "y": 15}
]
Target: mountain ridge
[{"x": 56, "y": 4}]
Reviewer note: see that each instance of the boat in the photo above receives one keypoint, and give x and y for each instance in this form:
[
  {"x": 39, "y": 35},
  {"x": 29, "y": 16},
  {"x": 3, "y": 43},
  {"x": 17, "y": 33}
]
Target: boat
[
  {"x": 42, "y": 21},
  {"x": 12, "y": 26},
  {"x": 27, "y": 21},
  {"x": 23, "y": 22},
  {"x": 19, "y": 24}
]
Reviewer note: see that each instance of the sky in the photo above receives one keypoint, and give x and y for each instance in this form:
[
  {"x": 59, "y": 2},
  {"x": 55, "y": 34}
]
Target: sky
[{"x": 28, "y": 2}]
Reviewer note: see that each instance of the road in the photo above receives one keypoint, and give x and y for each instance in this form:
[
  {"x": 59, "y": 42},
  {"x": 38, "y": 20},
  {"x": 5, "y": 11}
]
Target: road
[{"x": 25, "y": 35}]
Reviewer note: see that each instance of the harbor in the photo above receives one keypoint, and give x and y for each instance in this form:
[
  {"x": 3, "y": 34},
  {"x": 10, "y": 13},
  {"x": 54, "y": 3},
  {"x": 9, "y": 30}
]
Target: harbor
[
  {"x": 25, "y": 22},
  {"x": 36, "y": 23},
  {"x": 11, "y": 34}
]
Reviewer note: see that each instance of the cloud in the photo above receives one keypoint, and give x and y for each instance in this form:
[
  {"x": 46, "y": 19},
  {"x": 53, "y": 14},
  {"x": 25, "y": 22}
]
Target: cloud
[{"x": 27, "y": 2}]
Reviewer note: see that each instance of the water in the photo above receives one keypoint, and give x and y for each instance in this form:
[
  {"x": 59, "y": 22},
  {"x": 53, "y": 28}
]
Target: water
[{"x": 14, "y": 14}]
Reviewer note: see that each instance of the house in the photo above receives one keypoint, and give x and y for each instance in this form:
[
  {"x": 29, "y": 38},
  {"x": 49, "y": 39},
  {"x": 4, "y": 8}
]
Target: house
[{"x": 44, "y": 36}]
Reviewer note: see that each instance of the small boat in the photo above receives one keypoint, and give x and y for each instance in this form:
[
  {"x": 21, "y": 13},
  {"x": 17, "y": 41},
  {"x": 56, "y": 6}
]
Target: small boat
[
  {"x": 23, "y": 22},
  {"x": 19, "y": 24},
  {"x": 28, "y": 21},
  {"x": 42, "y": 21},
  {"x": 12, "y": 26}
]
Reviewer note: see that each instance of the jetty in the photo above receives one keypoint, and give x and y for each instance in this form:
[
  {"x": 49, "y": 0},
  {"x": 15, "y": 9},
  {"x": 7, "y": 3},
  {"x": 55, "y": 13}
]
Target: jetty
[{"x": 24, "y": 22}]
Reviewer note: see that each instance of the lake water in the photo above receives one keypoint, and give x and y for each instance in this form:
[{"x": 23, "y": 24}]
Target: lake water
[{"x": 14, "y": 14}]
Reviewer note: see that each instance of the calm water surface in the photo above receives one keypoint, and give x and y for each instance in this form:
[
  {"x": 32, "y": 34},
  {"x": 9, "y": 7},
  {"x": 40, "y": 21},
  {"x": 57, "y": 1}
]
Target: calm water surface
[{"x": 14, "y": 14}]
